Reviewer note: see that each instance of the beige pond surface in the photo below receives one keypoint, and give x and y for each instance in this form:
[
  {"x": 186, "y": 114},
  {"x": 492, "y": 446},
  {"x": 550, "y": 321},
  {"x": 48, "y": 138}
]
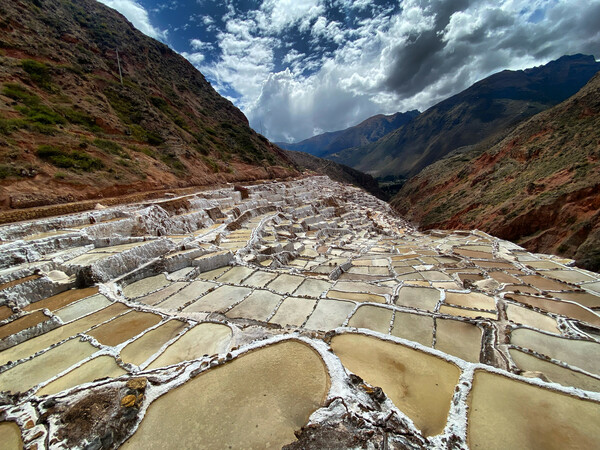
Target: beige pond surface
[
  {"x": 141, "y": 349},
  {"x": 45, "y": 366},
  {"x": 124, "y": 327},
  {"x": 34, "y": 345},
  {"x": 235, "y": 275},
  {"x": 258, "y": 306},
  {"x": 10, "y": 436},
  {"x": 559, "y": 307},
  {"x": 414, "y": 327},
  {"x": 64, "y": 298},
  {"x": 5, "y": 312},
  {"x": 357, "y": 286},
  {"x": 97, "y": 368},
  {"x": 356, "y": 296},
  {"x": 554, "y": 372},
  {"x": 372, "y": 317},
  {"x": 544, "y": 284},
  {"x": 219, "y": 299},
  {"x": 459, "y": 339},
  {"x": 214, "y": 274},
  {"x": 419, "y": 384},
  {"x": 312, "y": 288},
  {"x": 18, "y": 281},
  {"x": 191, "y": 292},
  {"x": 582, "y": 354},
  {"x": 420, "y": 298},
  {"x": 471, "y": 300},
  {"x": 531, "y": 318},
  {"x": 158, "y": 296},
  {"x": 583, "y": 298},
  {"x": 293, "y": 311},
  {"x": 506, "y": 413},
  {"x": 259, "y": 278},
  {"x": 22, "y": 323},
  {"x": 82, "y": 307},
  {"x": 461, "y": 312},
  {"x": 569, "y": 276},
  {"x": 281, "y": 385},
  {"x": 286, "y": 283},
  {"x": 145, "y": 286},
  {"x": 329, "y": 314},
  {"x": 203, "y": 339}
]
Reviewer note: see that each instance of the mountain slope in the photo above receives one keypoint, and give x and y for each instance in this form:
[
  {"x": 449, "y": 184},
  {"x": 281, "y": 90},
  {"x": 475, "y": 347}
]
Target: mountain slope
[
  {"x": 369, "y": 130},
  {"x": 539, "y": 186},
  {"x": 70, "y": 128},
  {"x": 489, "y": 107},
  {"x": 337, "y": 172}
]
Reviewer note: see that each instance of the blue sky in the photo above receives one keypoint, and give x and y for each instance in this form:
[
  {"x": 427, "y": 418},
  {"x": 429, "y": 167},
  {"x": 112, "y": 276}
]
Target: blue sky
[{"x": 301, "y": 67}]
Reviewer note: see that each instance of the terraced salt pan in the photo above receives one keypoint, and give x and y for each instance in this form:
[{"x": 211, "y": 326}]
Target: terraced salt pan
[
  {"x": 235, "y": 275},
  {"x": 82, "y": 307},
  {"x": 471, "y": 300},
  {"x": 420, "y": 298},
  {"x": 285, "y": 283},
  {"x": 531, "y": 318},
  {"x": 413, "y": 327},
  {"x": 18, "y": 281},
  {"x": 420, "y": 385},
  {"x": 10, "y": 436},
  {"x": 536, "y": 417},
  {"x": 329, "y": 314},
  {"x": 460, "y": 339},
  {"x": 258, "y": 306},
  {"x": 95, "y": 369},
  {"x": 259, "y": 278},
  {"x": 372, "y": 317},
  {"x": 312, "y": 288},
  {"x": 24, "y": 376},
  {"x": 124, "y": 327},
  {"x": 293, "y": 311},
  {"x": 34, "y": 345},
  {"x": 5, "y": 312},
  {"x": 355, "y": 296},
  {"x": 569, "y": 276},
  {"x": 583, "y": 298},
  {"x": 141, "y": 349},
  {"x": 22, "y": 323},
  {"x": 544, "y": 284},
  {"x": 145, "y": 286},
  {"x": 558, "y": 307},
  {"x": 462, "y": 312},
  {"x": 554, "y": 372},
  {"x": 357, "y": 286},
  {"x": 281, "y": 386},
  {"x": 220, "y": 299},
  {"x": 191, "y": 292},
  {"x": 64, "y": 298},
  {"x": 582, "y": 354},
  {"x": 203, "y": 339},
  {"x": 159, "y": 296}
]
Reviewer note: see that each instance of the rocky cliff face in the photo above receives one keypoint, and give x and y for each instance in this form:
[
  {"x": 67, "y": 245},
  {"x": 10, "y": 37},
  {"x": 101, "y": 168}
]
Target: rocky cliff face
[
  {"x": 488, "y": 108},
  {"x": 71, "y": 129},
  {"x": 539, "y": 186}
]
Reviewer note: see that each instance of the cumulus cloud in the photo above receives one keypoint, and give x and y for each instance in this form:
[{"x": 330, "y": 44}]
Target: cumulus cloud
[
  {"x": 296, "y": 67},
  {"x": 137, "y": 15}
]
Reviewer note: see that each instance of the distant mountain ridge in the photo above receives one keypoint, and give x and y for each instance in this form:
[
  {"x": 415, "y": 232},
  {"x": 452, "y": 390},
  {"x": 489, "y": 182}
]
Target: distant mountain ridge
[
  {"x": 369, "y": 130},
  {"x": 489, "y": 107},
  {"x": 539, "y": 186}
]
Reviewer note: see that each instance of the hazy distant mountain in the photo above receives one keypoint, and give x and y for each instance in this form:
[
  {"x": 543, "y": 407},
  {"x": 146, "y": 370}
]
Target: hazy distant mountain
[
  {"x": 365, "y": 132},
  {"x": 539, "y": 186},
  {"x": 489, "y": 107},
  {"x": 336, "y": 171}
]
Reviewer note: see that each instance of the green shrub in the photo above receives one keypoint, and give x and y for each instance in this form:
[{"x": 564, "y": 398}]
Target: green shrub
[
  {"x": 39, "y": 73},
  {"x": 7, "y": 171},
  {"x": 111, "y": 147},
  {"x": 20, "y": 93},
  {"x": 75, "y": 159}
]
